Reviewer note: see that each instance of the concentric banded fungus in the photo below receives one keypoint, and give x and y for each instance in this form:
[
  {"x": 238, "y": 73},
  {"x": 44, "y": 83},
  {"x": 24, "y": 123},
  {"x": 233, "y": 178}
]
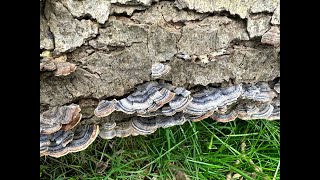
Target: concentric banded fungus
[
  {"x": 124, "y": 129},
  {"x": 159, "y": 69},
  {"x": 49, "y": 128},
  {"x": 144, "y": 126},
  {"x": 259, "y": 92},
  {"x": 65, "y": 117},
  {"x": 64, "y": 142},
  {"x": 44, "y": 143},
  {"x": 182, "y": 91},
  {"x": 165, "y": 122},
  {"x": 179, "y": 102},
  {"x": 196, "y": 118},
  {"x": 228, "y": 116},
  {"x": 147, "y": 98},
  {"x": 73, "y": 123},
  {"x": 107, "y": 130},
  {"x": 212, "y": 98},
  {"x": 140, "y": 100},
  {"x": 105, "y": 108},
  {"x": 125, "y": 106},
  {"x": 84, "y": 135},
  {"x": 139, "y": 126},
  {"x": 155, "y": 105},
  {"x": 248, "y": 112},
  {"x": 57, "y": 143},
  {"x": 164, "y": 97},
  {"x": 62, "y": 137},
  {"x": 165, "y": 110}
]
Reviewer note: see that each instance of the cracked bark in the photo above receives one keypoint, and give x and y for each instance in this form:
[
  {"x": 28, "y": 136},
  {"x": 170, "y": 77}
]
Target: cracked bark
[{"x": 115, "y": 48}]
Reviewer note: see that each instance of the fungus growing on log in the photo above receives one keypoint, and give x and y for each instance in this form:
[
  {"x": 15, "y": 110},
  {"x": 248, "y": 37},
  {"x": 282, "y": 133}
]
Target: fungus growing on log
[
  {"x": 63, "y": 142},
  {"x": 136, "y": 66},
  {"x": 244, "y": 101},
  {"x": 159, "y": 69},
  {"x": 64, "y": 117}
]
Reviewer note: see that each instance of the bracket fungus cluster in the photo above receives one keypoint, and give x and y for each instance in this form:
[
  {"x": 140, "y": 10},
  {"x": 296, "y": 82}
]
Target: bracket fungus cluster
[
  {"x": 63, "y": 142},
  {"x": 60, "y": 132},
  {"x": 139, "y": 125},
  {"x": 159, "y": 104},
  {"x": 153, "y": 105}
]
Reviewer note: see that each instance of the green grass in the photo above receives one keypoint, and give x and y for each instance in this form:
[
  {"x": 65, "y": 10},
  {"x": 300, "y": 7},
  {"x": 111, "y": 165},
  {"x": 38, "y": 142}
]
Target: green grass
[{"x": 202, "y": 150}]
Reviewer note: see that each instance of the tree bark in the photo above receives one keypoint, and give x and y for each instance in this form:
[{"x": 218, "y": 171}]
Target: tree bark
[{"x": 93, "y": 50}]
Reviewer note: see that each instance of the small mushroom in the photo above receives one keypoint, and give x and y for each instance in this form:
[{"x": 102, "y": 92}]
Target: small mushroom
[
  {"x": 105, "y": 108},
  {"x": 107, "y": 133},
  {"x": 107, "y": 130},
  {"x": 159, "y": 69}
]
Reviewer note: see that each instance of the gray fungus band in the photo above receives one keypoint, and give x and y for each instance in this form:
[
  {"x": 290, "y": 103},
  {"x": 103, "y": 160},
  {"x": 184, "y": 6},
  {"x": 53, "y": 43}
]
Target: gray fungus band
[{"x": 156, "y": 105}]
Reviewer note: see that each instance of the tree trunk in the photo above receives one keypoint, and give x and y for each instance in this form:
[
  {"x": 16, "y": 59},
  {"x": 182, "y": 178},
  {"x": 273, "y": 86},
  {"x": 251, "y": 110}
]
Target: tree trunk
[{"x": 94, "y": 50}]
